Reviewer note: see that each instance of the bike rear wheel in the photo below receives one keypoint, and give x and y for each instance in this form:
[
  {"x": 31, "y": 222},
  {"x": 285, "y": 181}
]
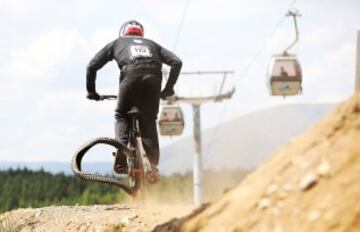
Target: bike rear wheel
[{"x": 80, "y": 153}]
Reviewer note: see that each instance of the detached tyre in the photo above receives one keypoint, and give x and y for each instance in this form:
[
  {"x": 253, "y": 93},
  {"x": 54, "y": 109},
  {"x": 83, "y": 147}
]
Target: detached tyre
[{"x": 80, "y": 153}]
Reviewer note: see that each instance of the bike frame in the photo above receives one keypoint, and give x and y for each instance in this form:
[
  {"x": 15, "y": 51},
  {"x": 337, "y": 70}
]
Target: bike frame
[
  {"x": 138, "y": 163},
  {"x": 142, "y": 163}
]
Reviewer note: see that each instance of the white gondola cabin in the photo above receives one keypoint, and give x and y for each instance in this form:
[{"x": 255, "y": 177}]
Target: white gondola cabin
[
  {"x": 285, "y": 75},
  {"x": 171, "y": 120}
]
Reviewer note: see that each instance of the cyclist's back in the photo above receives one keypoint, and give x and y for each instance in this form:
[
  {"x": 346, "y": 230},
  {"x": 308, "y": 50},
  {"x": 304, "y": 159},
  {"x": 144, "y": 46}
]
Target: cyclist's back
[{"x": 140, "y": 61}]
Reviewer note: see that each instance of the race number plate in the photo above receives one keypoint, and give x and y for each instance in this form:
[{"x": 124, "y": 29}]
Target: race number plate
[{"x": 139, "y": 51}]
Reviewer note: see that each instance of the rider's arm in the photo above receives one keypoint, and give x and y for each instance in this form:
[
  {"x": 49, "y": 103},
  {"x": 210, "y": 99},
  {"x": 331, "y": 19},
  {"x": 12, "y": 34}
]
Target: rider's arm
[
  {"x": 99, "y": 60},
  {"x": 175, "y": 63}
]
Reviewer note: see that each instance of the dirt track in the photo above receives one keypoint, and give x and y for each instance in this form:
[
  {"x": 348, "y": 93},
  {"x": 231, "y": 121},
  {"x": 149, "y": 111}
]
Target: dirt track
[
  {"x": 310, "y": 184},
  {"x": 131, "y": 217}
]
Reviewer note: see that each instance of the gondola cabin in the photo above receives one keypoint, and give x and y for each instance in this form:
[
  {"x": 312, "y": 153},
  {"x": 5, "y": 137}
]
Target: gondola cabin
[
  {"x": 285, "y": 75},
  {"x": 171, "y": 120}
]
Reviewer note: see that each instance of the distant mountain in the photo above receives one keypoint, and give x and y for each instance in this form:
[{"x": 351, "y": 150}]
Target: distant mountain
[
  {"x": 245, "y": 141},
  {"x": 240, "y": 143}
]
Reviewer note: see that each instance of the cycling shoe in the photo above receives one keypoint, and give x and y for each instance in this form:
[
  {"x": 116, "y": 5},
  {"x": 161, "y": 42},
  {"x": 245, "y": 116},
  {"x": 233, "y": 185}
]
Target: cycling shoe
[
  {"x": 120, "y": 165},
  {"x": 153, "y": 176}
]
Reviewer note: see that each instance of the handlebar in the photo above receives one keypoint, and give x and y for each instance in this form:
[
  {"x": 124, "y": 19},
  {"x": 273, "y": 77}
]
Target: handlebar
[
  {"x": 107, "y": 97},
  {"x": 172, "y": 98},
  {"x": 114, "y": 97}
]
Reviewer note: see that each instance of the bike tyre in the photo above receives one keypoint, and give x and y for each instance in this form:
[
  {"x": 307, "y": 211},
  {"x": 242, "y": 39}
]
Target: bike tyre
[
  {"x": 80, "y": 153},
  {"x": 140, "y": 176}
]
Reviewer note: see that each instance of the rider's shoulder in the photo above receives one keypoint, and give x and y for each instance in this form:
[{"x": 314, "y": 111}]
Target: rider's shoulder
[
  {"x": 145, "y": 41},
  {"x": 135, "y": 39},
  {"x": 149, "y": 40},
  {"x": 129, "y": 40}
]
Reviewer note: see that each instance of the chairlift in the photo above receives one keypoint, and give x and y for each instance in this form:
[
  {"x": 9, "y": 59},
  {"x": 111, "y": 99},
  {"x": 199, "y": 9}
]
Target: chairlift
[
  {"x": 285, "y": 74},
  {"x": 171, "y": 120}
]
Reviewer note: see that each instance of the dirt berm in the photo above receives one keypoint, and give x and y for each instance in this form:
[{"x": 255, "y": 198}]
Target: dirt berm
[{"x": 310, "y": 184}]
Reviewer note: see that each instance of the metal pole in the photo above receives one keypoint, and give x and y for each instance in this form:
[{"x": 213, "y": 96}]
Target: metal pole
[
  {"x": 196, "y": 103},
  {"x": 197, "y": 173},
  {"x": 294, "y": 14},
  {"x": 357, "y": 68}
]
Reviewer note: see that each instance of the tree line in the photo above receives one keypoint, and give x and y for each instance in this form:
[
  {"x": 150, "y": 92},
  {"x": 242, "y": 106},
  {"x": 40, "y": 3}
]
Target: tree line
[{"x": 23, "y": 188}]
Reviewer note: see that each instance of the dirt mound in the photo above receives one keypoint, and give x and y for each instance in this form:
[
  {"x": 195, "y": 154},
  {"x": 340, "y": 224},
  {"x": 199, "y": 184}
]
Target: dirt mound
[
  {"x": 311, "y": 184},
  {"x": 96, "y": 218}
]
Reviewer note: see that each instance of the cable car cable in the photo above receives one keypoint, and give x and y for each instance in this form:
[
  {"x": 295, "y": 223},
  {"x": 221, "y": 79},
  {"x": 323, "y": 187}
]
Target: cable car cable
[
  {"x": 247, "y": 67},
  {"x": 242, "y": 75},
  {"x": 182, "y": 20},
  {"x": 263, "y": 46},
  {"x": 178, "y": 33},
  {"x": 176, "y": 131},
  {"x": 212, "y": 141}
]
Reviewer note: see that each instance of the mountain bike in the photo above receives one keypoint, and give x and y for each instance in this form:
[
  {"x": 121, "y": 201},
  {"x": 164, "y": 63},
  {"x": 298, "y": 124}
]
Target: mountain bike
[{"x": 138, "y": 165}]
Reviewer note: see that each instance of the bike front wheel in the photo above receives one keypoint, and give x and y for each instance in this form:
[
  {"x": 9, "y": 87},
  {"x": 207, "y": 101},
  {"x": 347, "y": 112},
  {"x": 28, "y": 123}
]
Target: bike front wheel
[{"x": 141, "y": 169}]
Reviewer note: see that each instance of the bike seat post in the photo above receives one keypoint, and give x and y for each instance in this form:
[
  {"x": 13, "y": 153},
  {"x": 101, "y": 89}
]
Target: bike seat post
[{"x": 134, "y": 113}]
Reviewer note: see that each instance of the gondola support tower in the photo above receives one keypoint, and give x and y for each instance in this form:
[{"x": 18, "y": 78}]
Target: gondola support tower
[
  {"x": 196, "y": 103},
  {"x": 357, "y": 65}
]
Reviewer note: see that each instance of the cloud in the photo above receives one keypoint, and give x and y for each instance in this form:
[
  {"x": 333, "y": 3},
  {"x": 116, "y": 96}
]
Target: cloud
[
  {"x": 48, "y": 44},
  {"x": 203, "y": 11},
  {"x": 47, "y": 52},
  {"x": 55, "y": 126},
  {"x": 11, "y": 7},
  {"x": 71, "y": 106},
  {"x": 100, "y": 38},
  {"x": 333, "y": 75}
]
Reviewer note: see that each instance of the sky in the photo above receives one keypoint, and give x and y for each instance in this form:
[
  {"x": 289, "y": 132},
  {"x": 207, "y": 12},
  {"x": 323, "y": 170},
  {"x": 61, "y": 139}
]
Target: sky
[{"x": 45, "y": 46}]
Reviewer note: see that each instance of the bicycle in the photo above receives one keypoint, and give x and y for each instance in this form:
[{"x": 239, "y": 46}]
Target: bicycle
[{"x": 138, "y": 164}]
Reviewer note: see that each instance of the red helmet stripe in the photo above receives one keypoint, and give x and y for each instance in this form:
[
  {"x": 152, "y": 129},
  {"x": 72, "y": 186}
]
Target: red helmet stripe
[{"x": 133, "y": 30}]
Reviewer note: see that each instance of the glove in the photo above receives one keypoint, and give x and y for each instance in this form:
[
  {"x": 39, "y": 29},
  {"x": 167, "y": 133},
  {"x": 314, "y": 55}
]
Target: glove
[
  {"x": 93, "y": 96},
  {"x": 167, "y": 92}
]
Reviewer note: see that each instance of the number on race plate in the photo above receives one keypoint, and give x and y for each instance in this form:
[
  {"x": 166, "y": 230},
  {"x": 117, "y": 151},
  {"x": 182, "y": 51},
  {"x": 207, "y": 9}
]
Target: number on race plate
[{"x": 139, "y": 51}]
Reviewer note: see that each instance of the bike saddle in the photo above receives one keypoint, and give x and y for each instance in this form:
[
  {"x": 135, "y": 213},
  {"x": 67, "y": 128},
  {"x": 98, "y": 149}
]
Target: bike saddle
[{"x": 134, "y": 111}]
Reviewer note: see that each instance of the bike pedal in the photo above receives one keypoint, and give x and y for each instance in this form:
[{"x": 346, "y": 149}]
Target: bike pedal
[{"x": 120, "y": 170}]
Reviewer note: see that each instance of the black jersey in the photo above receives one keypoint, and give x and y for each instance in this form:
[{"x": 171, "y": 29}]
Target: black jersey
[{"x": 135, "y": 52}]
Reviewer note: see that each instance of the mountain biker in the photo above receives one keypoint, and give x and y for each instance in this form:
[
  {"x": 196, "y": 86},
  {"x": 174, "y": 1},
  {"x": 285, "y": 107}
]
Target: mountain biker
[{"x": 140, "y": 61}]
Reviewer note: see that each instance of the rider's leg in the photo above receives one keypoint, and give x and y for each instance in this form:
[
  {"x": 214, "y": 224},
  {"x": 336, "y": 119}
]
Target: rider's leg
[
  {"x": 150, "y": 139},
  {"x": 122, "y": 124},
  {"x": 124, "y": 103},
  {"x": 121, "y": 121},
  {"x": 121, "y": 135},
  {"x": 149, "y": 106},
  {"x": 150, "y": 95},
  {"x": 121, "y": 128}
]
